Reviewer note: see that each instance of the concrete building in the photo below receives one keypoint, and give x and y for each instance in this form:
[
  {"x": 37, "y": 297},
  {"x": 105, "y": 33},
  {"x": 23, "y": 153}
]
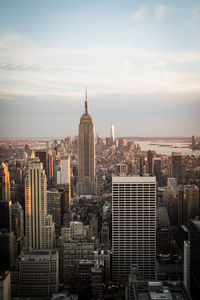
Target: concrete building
[
  {"x": 71, "y": 252},
  {"x": 63, "y": 175},
  {"x": 134, "y": 225},
  {"x": 39, "y": 227},
  {"x": 157, "y": 290},
  {"x": 90, "y": 278},
  {"x": 86, "y": 184},
  {"x": 36, "y": 275},
  {"x": 5, "y": 287}
]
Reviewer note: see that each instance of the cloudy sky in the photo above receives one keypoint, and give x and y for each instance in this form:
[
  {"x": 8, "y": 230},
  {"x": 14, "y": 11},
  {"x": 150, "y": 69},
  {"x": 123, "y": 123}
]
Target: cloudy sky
[{"x": 139, "y": 59}]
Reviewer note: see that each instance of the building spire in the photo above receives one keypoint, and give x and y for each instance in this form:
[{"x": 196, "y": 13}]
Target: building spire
[{"x": 86, "y": 101}]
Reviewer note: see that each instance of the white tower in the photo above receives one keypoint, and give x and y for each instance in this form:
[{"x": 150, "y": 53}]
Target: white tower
[
  {"x": 134, "y": 225},
  {"x": 112, "y": 133}
]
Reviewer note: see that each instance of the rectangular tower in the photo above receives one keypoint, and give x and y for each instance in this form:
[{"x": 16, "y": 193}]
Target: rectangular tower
[
  {"x": 39, "y": 227},
  {"x": 134, "y": 225},
  {"x": 177, "y": 166}
]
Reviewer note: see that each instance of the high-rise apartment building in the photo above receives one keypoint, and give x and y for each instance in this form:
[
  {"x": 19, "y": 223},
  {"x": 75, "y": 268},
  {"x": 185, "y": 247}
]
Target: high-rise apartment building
[
  {"x": 177, "y": 166},
  {"x": 86, "y": 184},
  {"x": 134, "y": 225},
  {"x": 39, "y": 227}
]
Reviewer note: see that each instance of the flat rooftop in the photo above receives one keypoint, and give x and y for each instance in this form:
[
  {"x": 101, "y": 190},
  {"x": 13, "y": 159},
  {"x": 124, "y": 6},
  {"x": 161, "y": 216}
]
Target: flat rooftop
[{"x": 134, "y": 179}]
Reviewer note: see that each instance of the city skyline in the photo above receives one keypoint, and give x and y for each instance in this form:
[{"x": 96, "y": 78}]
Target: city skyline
[{"x": 139, "y": 59}]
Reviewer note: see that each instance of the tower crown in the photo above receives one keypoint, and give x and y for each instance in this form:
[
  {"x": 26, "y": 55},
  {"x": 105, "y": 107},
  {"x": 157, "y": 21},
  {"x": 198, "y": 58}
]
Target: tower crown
[{"x": 86, "y": 102}]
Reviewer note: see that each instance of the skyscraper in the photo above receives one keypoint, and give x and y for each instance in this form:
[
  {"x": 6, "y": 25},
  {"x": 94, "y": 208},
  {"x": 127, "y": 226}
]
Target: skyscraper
[
  {"x": 134, "y": 225},
  {"x": 5, "y": 203},
  {"x": 150, "y": 167},
  {"x": 177, "y": 166},
  {"x": 39, "y": 227},
  {"x": 86, "y": 184},
  {"x": 195, "y": 258},
  {"x": 112, "y": 133},
  {"x": 158, "y": 170}
]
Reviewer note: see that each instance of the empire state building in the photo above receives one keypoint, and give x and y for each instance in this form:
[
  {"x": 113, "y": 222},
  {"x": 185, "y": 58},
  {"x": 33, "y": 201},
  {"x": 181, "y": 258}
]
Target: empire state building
[{"x": 86, "y": 184}]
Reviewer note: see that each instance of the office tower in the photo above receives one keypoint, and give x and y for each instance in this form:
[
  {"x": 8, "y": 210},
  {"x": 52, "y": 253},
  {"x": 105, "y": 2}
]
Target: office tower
[
  {"x": 18, "y": 226},
  {"x": 64, "y": 170},
  {"x": 54, "y": 208},
  {"x": 194, "y": 142},
  {"x": 65, "y": 200},
  {"x": 112, "y": 134},
  {"x": 6, "y": 234},
  {"x": 5, "y": 203},
  {"x": 195, "y": 258},
  {"x": 50, "y": 162},
  {"x": 150, "y": 166},
  {"x": 36, "y": 275},
  {"x": 105, "y": 234},
  {"x": 186, "y": 265},
  {"x": 17, "y": 219},
  {"x": 134, "y": 225},
  {"x": 188, "y": 204},
  {"x": 170, "y": 201},
  {"x": 177, "y": 166},
  {"x": 5, "y": 286},
  {"x": 39, "y": 227},
  {"x": 86, "y": 184},
  {"x": 42, "y": 155},
  {"x": 158, "y": 170},
  {"x": 181, "y": 194},
  {"x": 142, "y": 166},
  {"x": 4, "y": 183}
]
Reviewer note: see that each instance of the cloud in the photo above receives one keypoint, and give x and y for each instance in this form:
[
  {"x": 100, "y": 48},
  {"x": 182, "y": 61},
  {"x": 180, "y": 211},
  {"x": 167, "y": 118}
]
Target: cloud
[
  {"x": 140, "y": 13},
  {"x": 160, "y": 11},
  {"x": 64, "y": 71},
  {"x": 196, "y": 13}
]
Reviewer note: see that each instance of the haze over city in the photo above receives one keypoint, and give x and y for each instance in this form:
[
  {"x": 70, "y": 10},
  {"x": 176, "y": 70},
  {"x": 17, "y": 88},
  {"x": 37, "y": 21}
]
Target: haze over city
[{"x": 139, "y": 59}]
